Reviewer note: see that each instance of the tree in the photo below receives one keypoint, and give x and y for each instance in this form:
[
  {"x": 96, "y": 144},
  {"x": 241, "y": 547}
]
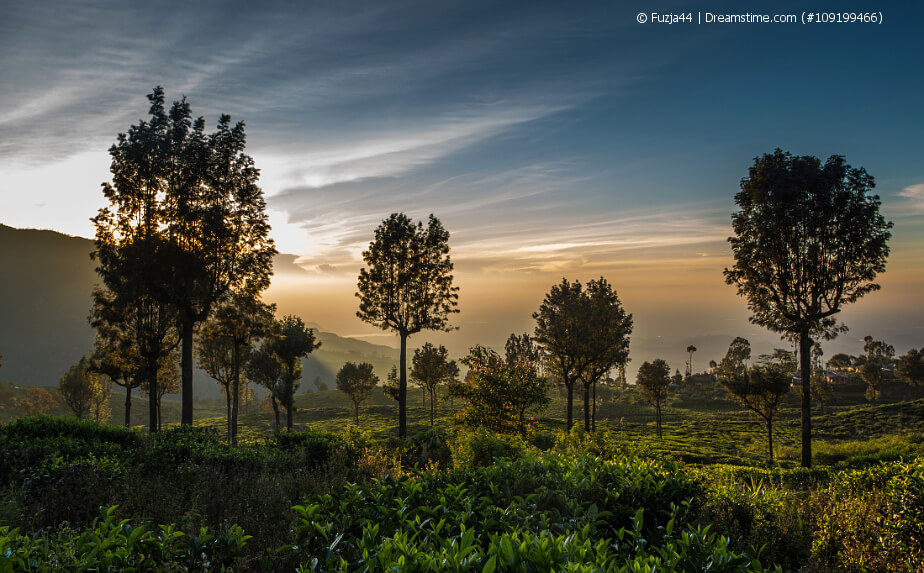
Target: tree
[
  {"x": 431, "y": 367},
  {"x": 86, "y": 392},
  {"x": 690, "y": 350},
  {"x": 38, "y": 402},
  {"x": 264, "y": 369},
  {"x": 116, "y": 354},
  {"x": 760, "y": 389},
  {"x": 809, "y": 239},
  {"x": 392, "y": 383},
  {"x": 878, "y": 354},
  {"x": 186, "y": 222},
  {"x": 736, "y": 358},
  {"x": 225, "y": 344},
  {"x": 559, "y": 327},
  {"x": 407, "y": 286},
  {"x": 784, "y": 359},
  {"x": 499, "y": 396},
  {"x": 522, "y": 347},
  {"x": 653, "y": 379},
  {"x": 840, "y": 362},
  {"x": 166, "y": 381},
  {"x": 910, "y": 367},
  {"x": 291, "y": 342},
  {"x": 356, "y": 381}
]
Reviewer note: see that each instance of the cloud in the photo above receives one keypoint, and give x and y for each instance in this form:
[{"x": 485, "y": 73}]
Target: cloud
[{"x": 916, "y": 194}]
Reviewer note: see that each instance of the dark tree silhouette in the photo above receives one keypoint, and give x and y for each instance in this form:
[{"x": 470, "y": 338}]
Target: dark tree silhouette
[
  {"x": 264, "y": 369},
  {"x": 186, "y": 222},
  {"x": 225, "y": 343},
  {"x": 407, "y": 286},
  {"x": 86, "y": 392},
  {"x": 809, "y": 238},
  {"x": 910, "y": 367},
  {"x": 760, "y": 389},
  {"x": 292, "y": 342},
  {"x": 116, "y": 357},
  {"x": 356, "y": 381},
  {"x": 653, "y": 379},
  {"x": 431, "y": 367},
  {"x": 690, "y": 349}
]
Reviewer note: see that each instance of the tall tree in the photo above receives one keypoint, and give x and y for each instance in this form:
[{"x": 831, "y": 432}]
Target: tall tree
[
  {"x": 407, "y": 286},
  {"x": 132, "y": 252},
  {"x": 186, "y": 222},
  {"x": 690, "y": 350},
  {"x": 653, "y": 379},
  {"x": 809, "y": 239},
  {"x": 760, "y": 389},
  {"x": 560, "y": 332},
  {"x": 431, "y": 367},
  {"x": 605, "y": 339},
  {"x": 910, "y": 367},
  {"x": 356, "y": 381}
]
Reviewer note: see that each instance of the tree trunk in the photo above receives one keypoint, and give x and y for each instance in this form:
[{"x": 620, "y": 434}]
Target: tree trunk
[
  {"x": 770, "y": 437},
  {"x": 586, "y": 406},
  {"x": 275, "y": 410},
  {"x": 152, "y": 400},
  {"x": 805, "y": 356},
  {"x": 187, "y": 369},
  {"x": 128, "y": 406},
  {"x": 228, "y": 418},
  {"x": 593, "y": 412},
  {"x": 432, "y": 406},
  {"x": 236, "y": 393},
  {"x": 402, "y": 389},
  {"x": 570, "y": 388},
  {"x": 290, "y": 409}
]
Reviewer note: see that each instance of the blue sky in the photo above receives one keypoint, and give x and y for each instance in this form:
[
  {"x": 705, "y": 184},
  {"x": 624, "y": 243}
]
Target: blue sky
[{"x": 552, "y": 139}]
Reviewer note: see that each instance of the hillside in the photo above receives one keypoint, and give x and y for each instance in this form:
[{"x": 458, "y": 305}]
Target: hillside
[{"x": 45, "y": 299}]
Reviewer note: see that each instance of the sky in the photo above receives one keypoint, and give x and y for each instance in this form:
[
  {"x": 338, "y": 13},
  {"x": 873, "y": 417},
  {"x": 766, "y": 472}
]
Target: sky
[{"x": 552, "y": 139}]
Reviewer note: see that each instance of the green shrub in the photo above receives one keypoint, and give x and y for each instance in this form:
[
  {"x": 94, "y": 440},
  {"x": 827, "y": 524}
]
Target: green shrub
[{"x": 483, "y": 447}]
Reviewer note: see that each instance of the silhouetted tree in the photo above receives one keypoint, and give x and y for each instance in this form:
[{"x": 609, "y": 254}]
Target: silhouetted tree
[
  {"x": 431, "y": 367},
  {"x": 407, "y": 286},
  {"x": 86, "y": 392},
  {"x": 499, "y": 396},
  {"x": 840, "y": 362},
  {"x": 878, "y": 354},
  {"x": 390, "y": 388},
  {"x": 559, "y": 332},
  {"x": 760, "y": 389},
  {"x": 356, "y": 381},
  {"x": 264, "y": 369},
  {"x": 291, "y": 342},
  {"x": 808, "y": 239},
  {"x": 653, "y": 379},
  {"x": 118, "y": 360},
  {"x": 522, "y": 347},
  {"x": 236, "y": 323},
  {"x": 690, "y": 349},
  {"x": 910, "y": 367},
  {"x": 167, "y": 381},
  {"x": 186, "y": 222},
  {"x": 736, "y": 358}
]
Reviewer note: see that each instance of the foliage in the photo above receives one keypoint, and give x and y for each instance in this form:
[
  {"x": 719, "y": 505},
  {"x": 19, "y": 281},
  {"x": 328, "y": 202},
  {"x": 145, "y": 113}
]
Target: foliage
[
  {"x": 910, "y": 367},
  {"x": 37, "y": 402},
  {"x": 499, "y": 396},
  {"x": 357, "y": 382},
  {"x": 186, "y": 222},
  {"x": 653, "y": 379},
  {"x": 407, "y": 286},
  {"x": 808, "y": 239},
  {"x": 432, "y": 367},
  {"x": 760, "y": 389},
  {"x": 86, "y": 392}
]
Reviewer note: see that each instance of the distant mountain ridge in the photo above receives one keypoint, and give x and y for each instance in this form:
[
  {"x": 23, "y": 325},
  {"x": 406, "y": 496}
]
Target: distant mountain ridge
[{"x": 46, "y": 279}]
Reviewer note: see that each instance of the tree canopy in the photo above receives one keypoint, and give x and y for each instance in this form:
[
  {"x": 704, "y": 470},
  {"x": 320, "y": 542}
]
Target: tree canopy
[
  {"x": 809, "y": 239},
  {"x": 407, "y": 286},
  {"x": 356, "y": 381}
]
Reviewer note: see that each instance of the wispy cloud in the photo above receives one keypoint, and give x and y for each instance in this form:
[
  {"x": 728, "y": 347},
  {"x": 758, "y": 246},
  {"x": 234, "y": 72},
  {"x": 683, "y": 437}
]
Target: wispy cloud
[{"x": 916, "y": 194}]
